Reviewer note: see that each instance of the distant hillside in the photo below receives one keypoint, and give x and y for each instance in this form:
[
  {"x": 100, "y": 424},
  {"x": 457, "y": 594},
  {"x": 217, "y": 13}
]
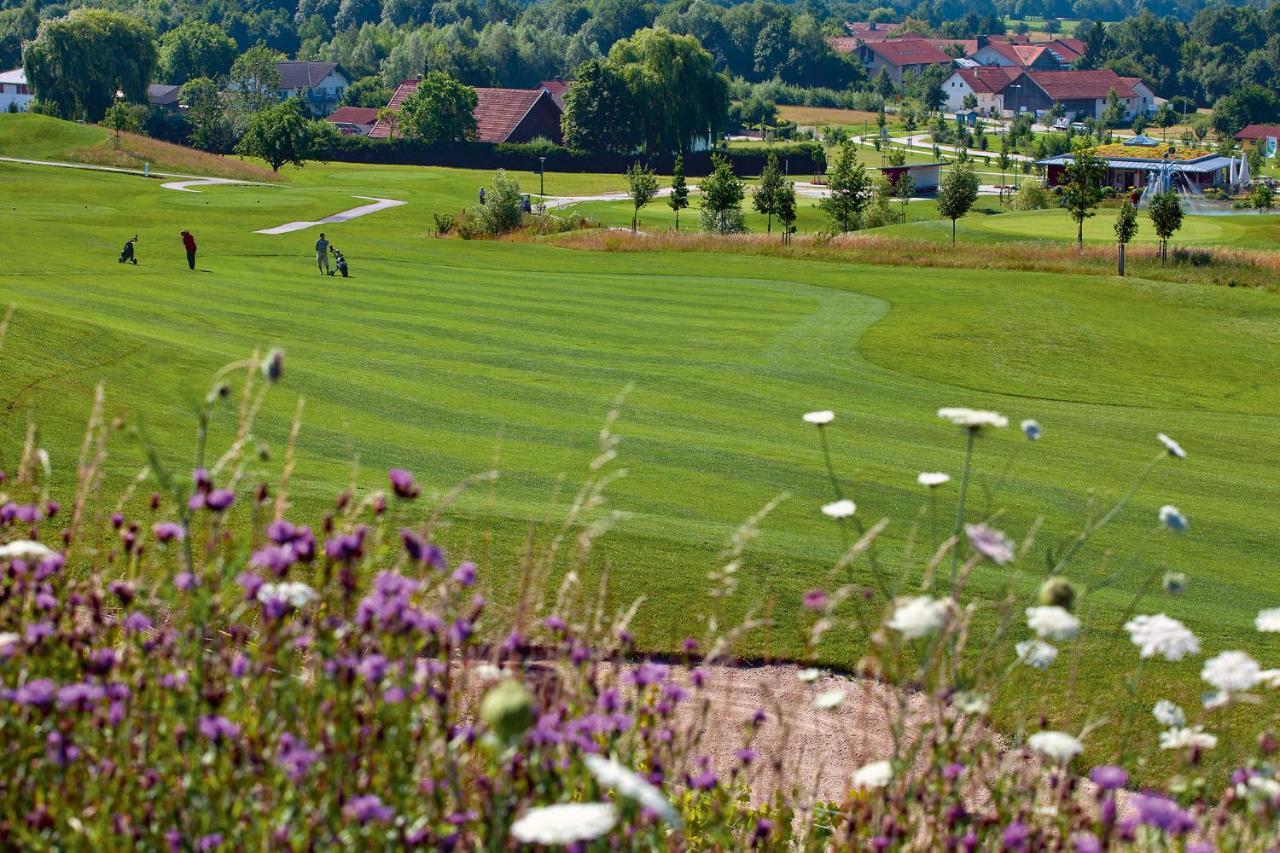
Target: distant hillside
[{"x": 43, "y": 138}]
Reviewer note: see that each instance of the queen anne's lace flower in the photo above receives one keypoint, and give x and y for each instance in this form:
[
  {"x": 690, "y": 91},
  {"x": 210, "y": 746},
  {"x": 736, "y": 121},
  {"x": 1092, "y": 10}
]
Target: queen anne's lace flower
[
  {"x": 1036, "y": 654},
  {"x": 933, "y": 478},
  {"x": 1183, "y": 738},
  {"x": 296, "y": 595},
  {"x": 566, "y": 823},
  {"x": 990, "y": 543},
  {"x": 1161, "y": 635},
  {"x": 820, "y": 418},
  {"x": 839, "y": 509},
  {"x": 1175, "y": 449},
  {"x": 919, "y": 617},
  {"x": 877, "y": 774},
  {"x": 631, "y": 785},
  {"x": 1052, "y": 623},
  {"x": 829, "y": 700},
  {"x": 973, "y": 418},
  {"x": 24, "y": 549},
  {"x": 1268, "y": 621},
  {"x": 1057, "y": 745},
  {"x": 1231, "y": 671},
  {"x": 1173, "y": 519},
  {"x": 1168, "y": 714}
]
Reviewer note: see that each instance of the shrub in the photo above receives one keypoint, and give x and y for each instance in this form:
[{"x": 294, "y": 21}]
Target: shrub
[
  {"x": 501, "y": 211},
  {"x": 1192, "y": 257},
  {"x": 1030, "y": 196},
  {"x": 444, "y": 223}
]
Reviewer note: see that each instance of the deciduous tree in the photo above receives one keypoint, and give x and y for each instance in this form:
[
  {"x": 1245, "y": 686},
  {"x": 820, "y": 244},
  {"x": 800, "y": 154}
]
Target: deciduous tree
[
  {"x": 77, "y": 64},
  {"x": 1083, "y": 188},
  {"x": 441, "y": 110},
  {"x": 679, "y": 198},
  {"x": 765, "y": 196},
  {"x": 1166, "y": 217},
  {"x": 849, "y": 191},
  {"x": 642, "y": 186},
  {"x": 196, "y": 49},
  {"x": 956, "y": 194},
  {"x": 283, "y": 134},
  {"x": 211, "y": 130},
  {"x": 1126, "y": 228},
  {"x": 722, "y": 194}
]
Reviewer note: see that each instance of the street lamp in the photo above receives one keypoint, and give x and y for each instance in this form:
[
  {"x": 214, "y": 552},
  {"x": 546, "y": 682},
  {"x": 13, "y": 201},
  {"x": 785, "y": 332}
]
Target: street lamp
[{"x": 542, "y": 178}]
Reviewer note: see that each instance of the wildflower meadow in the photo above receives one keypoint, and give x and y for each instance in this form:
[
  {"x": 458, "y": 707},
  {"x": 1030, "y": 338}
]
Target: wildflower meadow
[{"x": 189, "y": 665}]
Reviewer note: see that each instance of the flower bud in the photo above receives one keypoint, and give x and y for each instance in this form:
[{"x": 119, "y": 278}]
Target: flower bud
[
  {"x": 1057, "y": 591},
  {"x": 508, "y": 709}
]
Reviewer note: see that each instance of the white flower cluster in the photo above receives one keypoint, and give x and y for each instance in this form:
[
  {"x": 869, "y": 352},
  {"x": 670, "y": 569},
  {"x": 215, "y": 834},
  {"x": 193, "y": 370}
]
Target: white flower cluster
[
  {"x": 24, "y": 549},
  {"x": 877, "y": 774},
  {"x": 1052, "y": 623},
  {"x": 839, "y": 509},
  {"x": 1162, "y": 635},
  {"x": 920, "y": 616},
  {"x": 973, "y": 418},
  {"x": 566, "y": 823},
  {"x": 631, "y": 785},
  {"x": 1057, "y": 745},
  {"x": 296, "y": 595}
]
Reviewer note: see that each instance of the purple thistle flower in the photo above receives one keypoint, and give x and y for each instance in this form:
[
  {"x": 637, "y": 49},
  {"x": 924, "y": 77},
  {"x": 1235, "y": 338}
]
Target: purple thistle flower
[
  {"x": 50, "y": 566},
  {"x": 952, "y": 771},
  {"x": 38, "y": 693},
  {"x": 101, "y": 661},
  {"x": 1086, "y": 842},
  {"x": 28, "y": 513},
  {"x": 1163, "y": 813},
  {"x": 704, "y": 781},
  {"x": 1015, "y": 836},
  {"x": 1109, "y": 776},
  {"x": 556, "y": 624},
  {"x": 815, "y": 599},
  {"x": 38, "y": 631},
  {"x": 367, "y": 809},
  {"x": 402, "y": 484},
  {"x": 208, "y": 843},
  {"x": 346, "y": 547},
  {"x": 747, "y": 755},
  {"x": 240, "y": 666},
  {"x": 167, "y": 531},
  {"x": 216, "y": 728},
  {"x": 274, "y": 558},
  {"x": 220, "y": 500},
  {"x": 201, "y": 479},
  {"x": 281, "y": 532},
  {"x": 465, "y": 574},
  {"x": 186, "y": 581},
  {"x": 295, "y": 757},
  {"x": 51, "y": 509},
  {"x": 250, "y": 582},
  {"x": 60, "y": 751},
  {"x": 80, "y": 696},
  {"x": 648, "y": 673}
]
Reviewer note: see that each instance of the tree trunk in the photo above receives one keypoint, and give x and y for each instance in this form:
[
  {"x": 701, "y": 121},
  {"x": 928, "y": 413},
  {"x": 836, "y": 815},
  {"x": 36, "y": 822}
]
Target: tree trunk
[
  {"x": 769, "y": 225},
  {"x": 677, "y": 220},
  {"x": 1121, "y": 261},
  {"x": 953, "y": 232}
]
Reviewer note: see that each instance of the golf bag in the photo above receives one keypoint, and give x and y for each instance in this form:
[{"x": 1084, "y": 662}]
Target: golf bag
[
  {"x": 126, "y": 254},
  {"x": 339, "y": 262}
]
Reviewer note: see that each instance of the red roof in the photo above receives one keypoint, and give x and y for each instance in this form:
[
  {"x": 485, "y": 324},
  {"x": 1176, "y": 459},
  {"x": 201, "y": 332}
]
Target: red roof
[
  {"x": 1083, "y": 85},
  {"x": 353, "y": 115},
  {"x": 1259, "y": 131},
  {"x": 1070, "y": 49},
  {"x": 989, "y": 79},
  {"x": 915, "y": 51},
  {"x": 498, "y": 111},
  {"x": 967, "y": 46}
]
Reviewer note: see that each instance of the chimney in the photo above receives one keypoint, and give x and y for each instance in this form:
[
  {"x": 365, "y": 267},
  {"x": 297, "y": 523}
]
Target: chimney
[{"x": 982, "y": 42}]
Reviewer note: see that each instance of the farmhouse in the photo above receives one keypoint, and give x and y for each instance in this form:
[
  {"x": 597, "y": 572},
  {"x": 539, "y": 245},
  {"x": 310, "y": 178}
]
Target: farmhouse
[
  {"x": 1057, "y": 55},
  {"x": 319, "y": 84},
  {"x": 14, "y": 94},
  {"x": 354, "y": 121},
  {"x": 502, "y": 115},
  {"x": 1264, "y": 136},
  {"x": 1135, "y": 166},
  {"x": 164, "y": 96},
  {"x": 1082, "y": 93},
  {"x": 987, "y": 84},
  {"x": 900, "y": 57}
]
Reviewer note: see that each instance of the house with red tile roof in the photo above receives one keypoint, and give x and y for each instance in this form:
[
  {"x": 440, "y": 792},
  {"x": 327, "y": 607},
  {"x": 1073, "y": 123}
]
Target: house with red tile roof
[
  {"x": 502, "y": 115},
  {"x": 899, "y": 57},
  {"x": 354, "y": 121},
  {"x": 986, "y": 83},
  {"x": 1082, "y": 93},
  {"x": 1057, "y": 55},
  {"x": 1256, "y": 135},
  {"x": 557, "y": 87}
]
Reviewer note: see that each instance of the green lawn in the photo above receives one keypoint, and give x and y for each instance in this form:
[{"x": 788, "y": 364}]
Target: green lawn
[{"x": 442, "y": 355}]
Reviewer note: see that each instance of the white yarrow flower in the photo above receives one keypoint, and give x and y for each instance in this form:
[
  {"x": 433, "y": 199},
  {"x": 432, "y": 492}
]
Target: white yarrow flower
[
  {"x": 829, "y": 700},
  {"x": 839, "y": 509},
  {"x": 1052, "y": 623},
  {"x": 1231, "y": 671},
  {"x": 1172, "y": 446},
  {"x": 825, "y": 416},
  {"x": 1057, "y": 745},
  {"x": 809, "y": 675},
  {"x": 1215, "y": 700},
  {"x": 1162, "y": 635},
  {"x": 297, "y": 595},
  {"x": 25, "y": 549},
  {"x": 919, "y": 617},
  {"x": 877, "y": 774},
  {"x": 566, "y": 823},
  {"x": 1183, "y": 738},
  {"x": 932, "y": 479},
  {"x": 1268, "y": 621},
  {"x": 631, "y": 785},
  {"x": 1168, "y": 714},
  {"x": 8, "y": 638},
  {"x": 967, "y": 702},
  {"x": 973, "y": 418},
  {"x": 1036, "y": 654}
]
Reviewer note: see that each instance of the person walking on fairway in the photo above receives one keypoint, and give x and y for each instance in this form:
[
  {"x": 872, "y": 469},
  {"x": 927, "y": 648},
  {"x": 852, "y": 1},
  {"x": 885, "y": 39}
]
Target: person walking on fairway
[
  {"x": 189, "y": 243},
  {"x": 322, "y": 255}
]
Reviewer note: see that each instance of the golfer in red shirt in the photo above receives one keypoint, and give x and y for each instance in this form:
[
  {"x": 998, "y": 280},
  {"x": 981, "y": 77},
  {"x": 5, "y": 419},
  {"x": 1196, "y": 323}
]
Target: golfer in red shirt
[{"x": 189, "y": 243}]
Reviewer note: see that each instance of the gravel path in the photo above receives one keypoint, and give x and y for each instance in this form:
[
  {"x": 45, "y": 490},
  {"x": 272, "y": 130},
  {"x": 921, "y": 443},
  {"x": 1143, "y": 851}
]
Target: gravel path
[{"x": 353, "y": 213}]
